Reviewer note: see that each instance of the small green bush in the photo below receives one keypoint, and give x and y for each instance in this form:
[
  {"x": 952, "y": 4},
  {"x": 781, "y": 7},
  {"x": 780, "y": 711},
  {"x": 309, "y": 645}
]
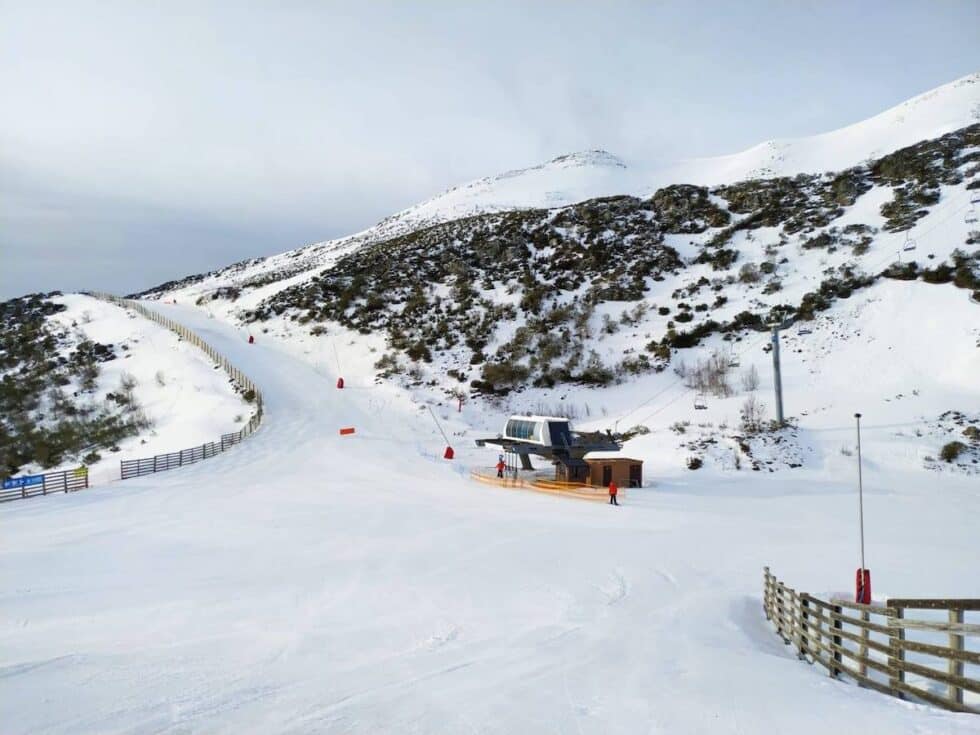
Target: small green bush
[{"x": 951, "y": 451}]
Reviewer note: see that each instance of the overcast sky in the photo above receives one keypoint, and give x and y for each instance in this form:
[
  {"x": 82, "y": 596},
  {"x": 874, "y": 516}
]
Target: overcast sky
[{"x": 141, "y": 142}]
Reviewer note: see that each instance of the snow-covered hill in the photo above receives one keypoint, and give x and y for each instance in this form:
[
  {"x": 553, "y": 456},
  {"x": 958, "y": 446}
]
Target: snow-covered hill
[
  {"x": 580, "y": 176},
  {"x": 527, "y": 298},
  {"x": 577, "y": 177},
  {"x": 145, "y": 392}
]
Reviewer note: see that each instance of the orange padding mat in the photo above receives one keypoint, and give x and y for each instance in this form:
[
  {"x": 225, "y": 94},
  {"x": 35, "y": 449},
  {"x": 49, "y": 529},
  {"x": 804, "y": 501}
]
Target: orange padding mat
[{"x": 542, "y": 485}]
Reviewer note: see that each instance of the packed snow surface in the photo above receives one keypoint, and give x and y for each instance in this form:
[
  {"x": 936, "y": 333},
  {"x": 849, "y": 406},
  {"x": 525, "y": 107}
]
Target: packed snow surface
[{"x": 312, "y": 582}]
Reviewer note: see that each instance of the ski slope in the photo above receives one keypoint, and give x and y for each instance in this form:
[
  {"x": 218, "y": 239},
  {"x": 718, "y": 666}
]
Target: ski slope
[{"x": 307, "y": 582}]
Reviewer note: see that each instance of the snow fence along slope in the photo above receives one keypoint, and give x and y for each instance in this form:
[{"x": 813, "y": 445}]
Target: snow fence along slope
[{"x": 158, "y": 463}]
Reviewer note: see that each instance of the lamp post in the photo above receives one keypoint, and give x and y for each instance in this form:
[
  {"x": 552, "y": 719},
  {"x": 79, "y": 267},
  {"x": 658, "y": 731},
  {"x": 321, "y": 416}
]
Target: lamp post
[{"x": 863, "y": 577}]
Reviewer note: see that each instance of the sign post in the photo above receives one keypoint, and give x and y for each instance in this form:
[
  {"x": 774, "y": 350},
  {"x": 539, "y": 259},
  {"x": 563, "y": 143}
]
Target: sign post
[{"x": 863, "y": 576}]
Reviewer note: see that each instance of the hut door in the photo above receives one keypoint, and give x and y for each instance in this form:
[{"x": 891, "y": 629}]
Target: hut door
[
  {"x": 606, "y": 474},
  {"x": 636, "y": 475}
]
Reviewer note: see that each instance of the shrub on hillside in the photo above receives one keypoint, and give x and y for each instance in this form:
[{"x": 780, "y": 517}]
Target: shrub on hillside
[{"x": 951, "y": 451}]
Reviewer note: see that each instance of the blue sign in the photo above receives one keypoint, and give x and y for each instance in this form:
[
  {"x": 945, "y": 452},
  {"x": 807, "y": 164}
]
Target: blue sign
[{"x": 25, "y": 481}]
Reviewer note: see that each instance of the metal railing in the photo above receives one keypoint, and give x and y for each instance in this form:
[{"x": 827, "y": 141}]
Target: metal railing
[
  {"x": 879, "y": 647},
  {"x": 129, "y": 468}
]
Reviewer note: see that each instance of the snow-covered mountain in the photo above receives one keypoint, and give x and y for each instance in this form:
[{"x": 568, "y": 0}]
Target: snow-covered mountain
[
  {"x": 580, "y": 176},
  {"x": 316, "y": 582},
  {"x": 520, "y": 289}
]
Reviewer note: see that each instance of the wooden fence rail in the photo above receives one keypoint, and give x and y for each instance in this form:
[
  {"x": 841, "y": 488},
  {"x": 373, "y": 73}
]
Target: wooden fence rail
[
  {"x": 873, "y": 645},
  {"x": 129, "y": 468}
]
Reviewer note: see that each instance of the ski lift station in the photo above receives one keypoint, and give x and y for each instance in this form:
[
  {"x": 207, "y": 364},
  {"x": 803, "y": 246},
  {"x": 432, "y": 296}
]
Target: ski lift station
[{"x": 590, "y": 458}]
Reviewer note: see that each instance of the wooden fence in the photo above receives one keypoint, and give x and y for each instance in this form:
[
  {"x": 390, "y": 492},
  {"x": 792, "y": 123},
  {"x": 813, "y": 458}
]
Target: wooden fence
[
  {"x": 161, "y": 462},
  {"x": 129, "y": 468},
  {"x": 51, "y": 482},
  {"x": 881, "y": 647}
]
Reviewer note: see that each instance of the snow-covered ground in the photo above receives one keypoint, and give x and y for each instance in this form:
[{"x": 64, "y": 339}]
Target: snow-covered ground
[
  {"x": 308, "y": 582},
  {"x": 186, "y": 398}
]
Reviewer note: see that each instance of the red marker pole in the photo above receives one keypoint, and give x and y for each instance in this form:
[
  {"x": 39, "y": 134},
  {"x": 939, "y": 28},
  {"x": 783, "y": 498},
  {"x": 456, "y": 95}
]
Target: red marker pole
[{"x": 863, "y": 576}]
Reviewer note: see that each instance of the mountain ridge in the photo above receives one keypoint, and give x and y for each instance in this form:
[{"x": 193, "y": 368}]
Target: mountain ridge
[{"x": 925, "y": 116}]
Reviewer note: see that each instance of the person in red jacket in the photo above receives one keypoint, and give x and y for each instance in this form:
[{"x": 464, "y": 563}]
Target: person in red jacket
[
  {"x": 613, "y": 492},
  {"x": 500, "y": 468}
]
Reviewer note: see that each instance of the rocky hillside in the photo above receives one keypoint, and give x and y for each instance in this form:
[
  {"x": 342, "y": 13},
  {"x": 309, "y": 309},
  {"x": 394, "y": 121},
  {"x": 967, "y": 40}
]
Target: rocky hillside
[
  {"x": 527, "y": 280},
  {"x": 49, "y": 375},
  {"x": 86, "y": 382},
  {"x": 504, "y": 300}
]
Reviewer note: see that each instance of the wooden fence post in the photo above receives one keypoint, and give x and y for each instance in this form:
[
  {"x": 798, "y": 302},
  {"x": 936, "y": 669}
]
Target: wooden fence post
[
  {"x": 897, "y": 656},
  {"x": 765, "y": 593},
  {"x": 837, "y": 641},
  {"x": 955, "y": 665},
  {"x": 865, "y": 636},
  {"x": 804, "y": 624}
]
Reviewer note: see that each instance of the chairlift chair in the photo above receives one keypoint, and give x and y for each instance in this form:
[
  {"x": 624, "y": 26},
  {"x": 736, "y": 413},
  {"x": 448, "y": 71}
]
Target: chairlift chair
[
  {"x": 909, "y": 243},
  {"x": 700, "y": 402},
  {"x": 733, "y": 358},
  {"x": 805, "y": 331}
]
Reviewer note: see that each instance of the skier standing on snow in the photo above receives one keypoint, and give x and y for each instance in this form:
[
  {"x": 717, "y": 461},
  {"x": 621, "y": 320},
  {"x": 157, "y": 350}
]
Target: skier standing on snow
[
  {"x": 613, "y": 491},
  {"x": 500, "y": 468}
]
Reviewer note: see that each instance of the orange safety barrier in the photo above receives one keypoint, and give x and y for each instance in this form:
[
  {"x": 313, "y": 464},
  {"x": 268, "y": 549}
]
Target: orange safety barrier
[
  {"x": 347, "y": 430},
  {"x": 544, "y": 485}
]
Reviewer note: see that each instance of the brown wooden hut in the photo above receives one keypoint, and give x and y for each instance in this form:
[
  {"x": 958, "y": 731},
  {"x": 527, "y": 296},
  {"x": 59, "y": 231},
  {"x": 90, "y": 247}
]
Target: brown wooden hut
[{"x": 607, "y": 467}]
